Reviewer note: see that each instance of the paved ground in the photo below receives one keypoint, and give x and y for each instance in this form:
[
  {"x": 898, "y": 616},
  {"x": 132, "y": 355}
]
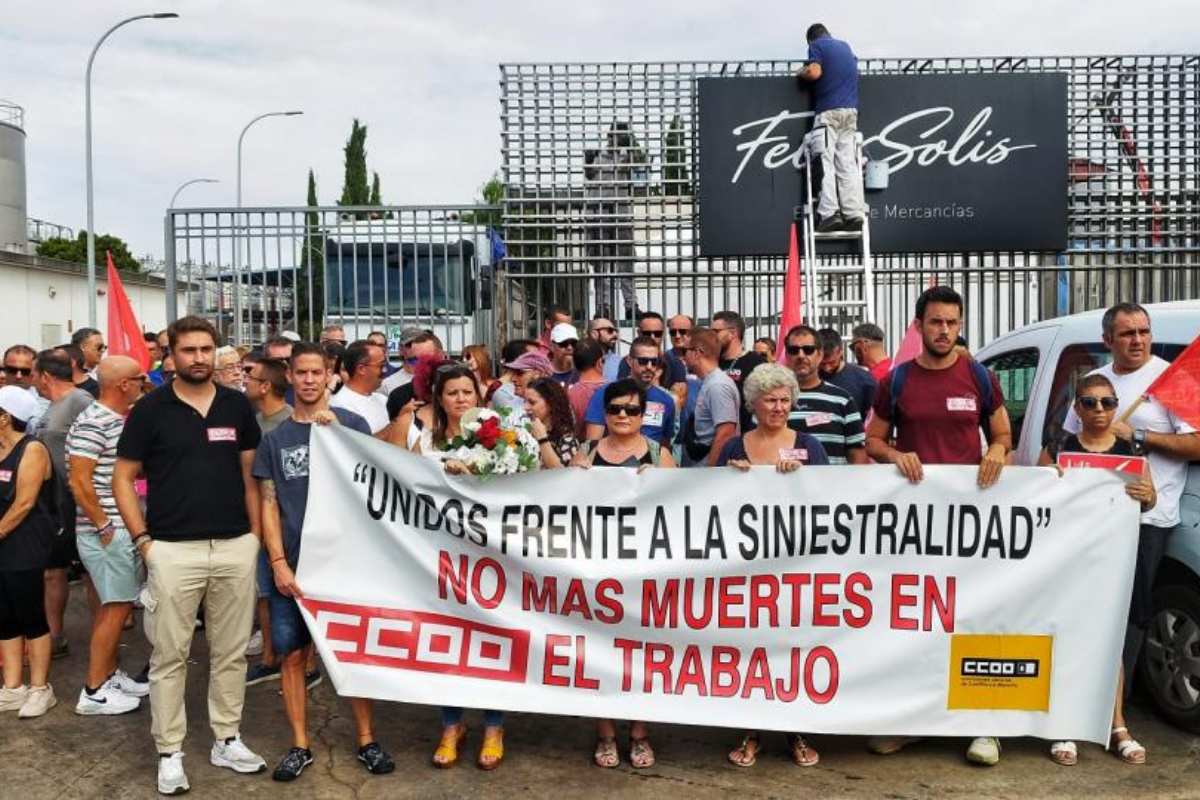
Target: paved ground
[{"x": 63, "y": 755}]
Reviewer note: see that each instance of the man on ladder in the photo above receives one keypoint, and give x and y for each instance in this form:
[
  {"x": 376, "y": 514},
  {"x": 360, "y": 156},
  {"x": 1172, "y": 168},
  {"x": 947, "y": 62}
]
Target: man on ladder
[{"x": 832, "y": 69}]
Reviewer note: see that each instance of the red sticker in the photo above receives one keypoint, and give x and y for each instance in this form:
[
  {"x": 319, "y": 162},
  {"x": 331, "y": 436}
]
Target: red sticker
[
  {"x": 222, "y": 435},
  {"x": 1130, "y": 465}
]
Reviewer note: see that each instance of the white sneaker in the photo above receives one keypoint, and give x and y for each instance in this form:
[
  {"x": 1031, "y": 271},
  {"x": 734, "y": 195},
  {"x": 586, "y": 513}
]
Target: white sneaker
[
  {"x": 124, "y": 682},
  {"x": 171, "y": 777},
  {"x": 40, "y": 700},
  {"x": 984, "y": 750},
  {"x": 13, "y": 699},
  {"x": 232, "y": 753},
  {"x": 254, "y": 647},
  {"x": 108, "y": 700}
]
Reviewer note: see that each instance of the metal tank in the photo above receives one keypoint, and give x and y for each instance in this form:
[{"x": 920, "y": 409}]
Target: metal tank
[{"x": 12, "y": 178}]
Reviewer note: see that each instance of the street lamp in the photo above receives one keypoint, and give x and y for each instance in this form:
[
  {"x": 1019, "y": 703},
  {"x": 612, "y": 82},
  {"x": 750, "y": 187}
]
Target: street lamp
[
  {"x": 87, "y": 94},
  {"x": 186, "y": 184},
  {"x": 237, "y": 247}
]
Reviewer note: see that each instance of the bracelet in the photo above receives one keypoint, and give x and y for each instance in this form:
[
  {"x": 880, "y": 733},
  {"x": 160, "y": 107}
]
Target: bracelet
[
  {"x": 137, "y": 540},
  {"x": 544, "y": 440},
  {"x": 108, "y": 526},
  {"x": 278, "y": 558}
]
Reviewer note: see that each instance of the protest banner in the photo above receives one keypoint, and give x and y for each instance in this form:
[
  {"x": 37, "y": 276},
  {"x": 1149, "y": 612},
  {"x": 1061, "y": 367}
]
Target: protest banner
[{"x": 831, "y": 600}]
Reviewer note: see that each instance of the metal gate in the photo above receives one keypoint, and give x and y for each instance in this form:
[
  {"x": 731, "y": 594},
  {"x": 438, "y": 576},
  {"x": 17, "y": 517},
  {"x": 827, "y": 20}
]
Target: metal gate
[
  {"x": 590, "y": 237},
  {"x": 365, "y": 268}
]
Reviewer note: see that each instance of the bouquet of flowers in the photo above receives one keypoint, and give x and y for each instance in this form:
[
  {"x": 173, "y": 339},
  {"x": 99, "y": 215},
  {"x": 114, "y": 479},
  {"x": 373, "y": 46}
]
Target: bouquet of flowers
[{"x": 493, "y": 443}]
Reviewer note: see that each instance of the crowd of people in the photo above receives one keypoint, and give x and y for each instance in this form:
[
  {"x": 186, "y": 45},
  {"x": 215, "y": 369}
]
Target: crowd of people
[{"x": 181, "y": 490}]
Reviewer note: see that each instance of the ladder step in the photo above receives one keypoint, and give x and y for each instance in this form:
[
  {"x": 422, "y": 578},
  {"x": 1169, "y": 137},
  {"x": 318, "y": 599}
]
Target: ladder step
[
  {"x": 845, "y": 269},
  {"x": 843, "y": 303},
  {"x": 837, "y": 235}
]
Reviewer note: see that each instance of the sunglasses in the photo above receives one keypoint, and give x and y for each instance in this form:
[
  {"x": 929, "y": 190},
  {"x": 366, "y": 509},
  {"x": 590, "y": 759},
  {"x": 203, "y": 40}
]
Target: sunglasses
[
  {"x": 618, "y": 409},
  {"x": 607, "y": 329},
  {"x": 680, "y": 331},
  {"x": 569, "y": 343},
  {"x": 1109, "y": 403},
  {"x": 654, "y": 334},
  {"x": 19, "y": 371},
  {"x": 646, "y": 361},
  {"x": 796, "y": 349}
]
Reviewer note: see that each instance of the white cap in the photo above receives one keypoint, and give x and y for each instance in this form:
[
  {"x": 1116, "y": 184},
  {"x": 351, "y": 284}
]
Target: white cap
[
  {"x": 292, "y": 335},
  {"x": 563, "y": 332},
  {"x": 18, "y": 402}
]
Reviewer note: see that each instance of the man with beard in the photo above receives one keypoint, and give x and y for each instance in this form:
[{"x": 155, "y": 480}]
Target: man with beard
[
  {"x": 199, "y": 538},
  {"x": 937, "y": 404}
]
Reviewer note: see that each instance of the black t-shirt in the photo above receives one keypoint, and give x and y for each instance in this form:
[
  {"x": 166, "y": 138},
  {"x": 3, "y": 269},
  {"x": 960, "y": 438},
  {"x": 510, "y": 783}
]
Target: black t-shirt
[
  {"x": 1069, "y": 443},
  {"x": 739, "y": 369},
  {"x": 192, "y": 463},
  {"x": 89, "y": 385},
  {"x": 857, "y": 382}
]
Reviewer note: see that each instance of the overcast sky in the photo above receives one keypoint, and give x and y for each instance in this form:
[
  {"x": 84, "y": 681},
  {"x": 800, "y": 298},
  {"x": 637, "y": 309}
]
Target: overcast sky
[{"x": 171, "y": 96}]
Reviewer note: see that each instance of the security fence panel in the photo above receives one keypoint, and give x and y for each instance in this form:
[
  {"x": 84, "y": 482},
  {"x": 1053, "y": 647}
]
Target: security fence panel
[
  {"x": 366, "y": 268},
  {"x": 600, "y": 166}
]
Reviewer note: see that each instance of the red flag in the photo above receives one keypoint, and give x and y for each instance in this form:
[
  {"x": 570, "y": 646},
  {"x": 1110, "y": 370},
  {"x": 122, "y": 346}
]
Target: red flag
[
  {"x": 1179, "y": 385},
  {"x": 790, "y": 316},
  {"x": 910, "y": 345},
  {"x": 124, "y": 333}
]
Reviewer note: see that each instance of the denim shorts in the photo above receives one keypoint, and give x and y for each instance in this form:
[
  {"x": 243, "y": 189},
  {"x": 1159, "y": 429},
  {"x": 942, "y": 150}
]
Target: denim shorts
[
  {"x": 116, "y": 570},
  {"x": 288, "y": 631},
  {"x": 265, "y": 576}
]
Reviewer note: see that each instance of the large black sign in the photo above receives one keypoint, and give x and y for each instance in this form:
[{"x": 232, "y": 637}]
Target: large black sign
[{"x": 976, "y": 162}]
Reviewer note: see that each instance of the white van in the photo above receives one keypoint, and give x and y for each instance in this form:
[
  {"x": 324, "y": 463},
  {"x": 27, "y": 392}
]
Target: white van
[{"x": 1037, "y": 367}]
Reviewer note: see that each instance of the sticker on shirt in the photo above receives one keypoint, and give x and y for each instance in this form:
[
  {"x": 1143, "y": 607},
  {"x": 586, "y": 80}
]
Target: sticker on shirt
[
  {"x": 960, "y": 404},
  {"x": 222, "y": 434},
  {"x": 735, "y": 375},
  {"x": 793, "y": 454},
  {"x": 5, "y": 476},
  {"x": 654, "y": 413},
  {"x": 294, "y": 461},
  {"x": 815, "y": 419}
]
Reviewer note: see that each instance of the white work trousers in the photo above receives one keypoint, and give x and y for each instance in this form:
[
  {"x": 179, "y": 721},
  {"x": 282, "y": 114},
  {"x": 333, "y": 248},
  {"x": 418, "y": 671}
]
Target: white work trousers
[{"x": 841, "y": 179}]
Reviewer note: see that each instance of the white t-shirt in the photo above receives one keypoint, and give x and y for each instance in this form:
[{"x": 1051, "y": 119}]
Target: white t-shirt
[
  {"x": 372, "y": 407},
  {"x": 1169, "y": 474},
  {"x": 393, "y": 382}
]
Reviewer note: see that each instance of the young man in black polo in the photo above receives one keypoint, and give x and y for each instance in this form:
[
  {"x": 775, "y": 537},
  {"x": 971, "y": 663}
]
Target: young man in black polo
[
  {"x": 281, "y": 466},
  {"x": 736, "y": 361},
  {"x": 199, "y": 538}
]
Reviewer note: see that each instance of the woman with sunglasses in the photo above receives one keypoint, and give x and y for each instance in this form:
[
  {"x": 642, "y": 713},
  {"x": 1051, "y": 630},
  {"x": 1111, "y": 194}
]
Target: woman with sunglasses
[
  {"x": 1096, "y": 404},
  {"x": 455, "y": 392},
  {"x": 771, "y": 392},
  {"x": 623, "y": 446},
  {"x": 551, "y": 422}
]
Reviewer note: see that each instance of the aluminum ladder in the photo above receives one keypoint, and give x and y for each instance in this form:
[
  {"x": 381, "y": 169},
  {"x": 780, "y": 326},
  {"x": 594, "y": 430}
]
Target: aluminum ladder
[{"x": 839, "y": 280}]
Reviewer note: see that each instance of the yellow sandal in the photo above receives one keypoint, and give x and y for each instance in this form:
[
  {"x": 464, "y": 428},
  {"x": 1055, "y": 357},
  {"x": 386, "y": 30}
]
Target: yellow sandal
[
  {"x": 492, "y": 749},
  {"x": 446, "y": 753}
]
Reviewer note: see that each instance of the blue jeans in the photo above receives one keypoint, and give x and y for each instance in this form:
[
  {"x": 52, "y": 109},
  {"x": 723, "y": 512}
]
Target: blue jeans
[{"x": 452, "y": 715}]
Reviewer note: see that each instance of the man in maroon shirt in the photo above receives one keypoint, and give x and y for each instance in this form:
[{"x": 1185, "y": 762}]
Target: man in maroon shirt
[{"x": 938, "y": 417}]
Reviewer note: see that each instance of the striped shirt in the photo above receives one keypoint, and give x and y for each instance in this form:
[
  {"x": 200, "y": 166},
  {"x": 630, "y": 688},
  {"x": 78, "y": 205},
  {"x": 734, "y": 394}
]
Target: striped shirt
[
  {"x": 94, "y": 436},
  {"x": 829, "y": 414}
]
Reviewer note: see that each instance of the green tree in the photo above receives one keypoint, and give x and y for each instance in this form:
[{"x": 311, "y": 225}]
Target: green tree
[
  {"x": 356, "y": 191},
  {"x": 76, "y": 250},
  {"x": 376, "y": 200},
  {"x": 675, "y": 173},
  {"x": 490, "y": 194},
  {"x": 312, "y": 261}
]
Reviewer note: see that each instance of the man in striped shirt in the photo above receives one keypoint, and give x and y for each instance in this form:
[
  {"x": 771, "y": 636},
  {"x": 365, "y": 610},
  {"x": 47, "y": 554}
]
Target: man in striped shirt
[
  {"x": 823, "y": 410},
  {"x": 104, "y": 545}
]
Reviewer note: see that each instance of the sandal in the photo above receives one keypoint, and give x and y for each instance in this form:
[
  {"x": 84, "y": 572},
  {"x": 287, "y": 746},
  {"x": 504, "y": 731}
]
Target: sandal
[
  {"x": 746, "y": 753},
  {"x": 1129, "y": 749},
  {"x": 641, "y": 754},
  {"x": 1064, "y": 754},
  {"x": 447, "y": 750},
  {"x": 802, "y": 753},
  {"x": 606, "y": 755},
  {"x": 491, "y": 753}
]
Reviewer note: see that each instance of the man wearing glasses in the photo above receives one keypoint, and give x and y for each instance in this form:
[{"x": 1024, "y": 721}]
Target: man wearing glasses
[
  {"x": 363, "y": 363},
  {"x": 736, "y": 361},
  {"x": 266, "y": 389},
  {"x": 651, "y": 325},
  {"x": 91, "y": 342},
  {"x": 563, "y": 338},
  {"x": 826, "y": 412},
  {"x": 658, "y": 417},
  {"x": 415, "y": 344},
  {"x": 18, "y": 371},
  {"x": 602, "y": 331}
]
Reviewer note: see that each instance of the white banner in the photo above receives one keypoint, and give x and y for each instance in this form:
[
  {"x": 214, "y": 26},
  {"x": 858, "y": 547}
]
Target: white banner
[{"x": 835, "y": 600}]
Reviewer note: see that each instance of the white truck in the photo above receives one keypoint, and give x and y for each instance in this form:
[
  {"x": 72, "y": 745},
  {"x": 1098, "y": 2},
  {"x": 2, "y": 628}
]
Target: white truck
[{"x": 1037, "y": 367}]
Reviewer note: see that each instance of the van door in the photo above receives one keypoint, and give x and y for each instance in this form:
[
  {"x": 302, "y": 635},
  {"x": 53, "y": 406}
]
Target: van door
[{"x": 1018, "y": 370}]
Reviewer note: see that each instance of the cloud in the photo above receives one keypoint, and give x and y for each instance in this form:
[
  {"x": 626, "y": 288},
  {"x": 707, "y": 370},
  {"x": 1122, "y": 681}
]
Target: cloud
[{"x": 170, "y": 97}]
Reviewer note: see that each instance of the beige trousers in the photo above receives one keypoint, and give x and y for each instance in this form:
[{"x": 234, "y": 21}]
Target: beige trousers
[{"x": 219, "y": 572}]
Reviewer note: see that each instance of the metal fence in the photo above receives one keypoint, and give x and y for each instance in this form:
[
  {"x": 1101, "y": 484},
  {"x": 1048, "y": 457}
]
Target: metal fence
[
  {"x": 367, "y": 269},
  {"x": 592, "y": 237}
]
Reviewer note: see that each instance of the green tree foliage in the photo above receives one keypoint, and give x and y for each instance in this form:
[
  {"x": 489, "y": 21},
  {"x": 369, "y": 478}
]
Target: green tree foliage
[
  {"x": 312, "y": 261},
  {"x": 490, "y": 194},
  {"x": 76, "y": 250},
  {"x": 356, "y": 191},
  {"x": 675, "y": 173},
  {"x": 376, "y": 200}
]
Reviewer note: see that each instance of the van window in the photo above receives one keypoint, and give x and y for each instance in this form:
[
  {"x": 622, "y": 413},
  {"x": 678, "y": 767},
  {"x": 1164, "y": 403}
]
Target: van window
[
  {"x": 1015, "y": 371},
  {"x": 1076, "y": 361}
]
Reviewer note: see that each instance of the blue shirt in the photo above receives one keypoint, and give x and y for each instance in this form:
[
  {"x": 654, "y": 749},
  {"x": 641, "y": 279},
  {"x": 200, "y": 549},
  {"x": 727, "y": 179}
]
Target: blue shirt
[
  {"x": 838, "y": 85},
  {"x": 658, "y": 419}
]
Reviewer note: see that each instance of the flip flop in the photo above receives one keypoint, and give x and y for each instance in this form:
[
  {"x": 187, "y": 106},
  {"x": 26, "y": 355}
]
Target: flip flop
[
  {"x": 606, "y": 755},
  {"x": 802, "y": 753},
  {"x": 750, "y": 757},
  {"x": 1129, "y": 750},
  {"x": 1064, "y": 754}
]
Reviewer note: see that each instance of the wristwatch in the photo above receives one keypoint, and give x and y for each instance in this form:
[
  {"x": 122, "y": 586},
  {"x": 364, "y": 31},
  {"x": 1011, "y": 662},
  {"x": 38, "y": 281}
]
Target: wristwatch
[{"x": 1139, "y": 441}]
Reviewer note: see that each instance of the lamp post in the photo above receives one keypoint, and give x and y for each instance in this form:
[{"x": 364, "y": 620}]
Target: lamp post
[
  {"x": 186, "y": 184},
  {"x": 237, "y": 247},
  {"x": 87, "y": 95}
]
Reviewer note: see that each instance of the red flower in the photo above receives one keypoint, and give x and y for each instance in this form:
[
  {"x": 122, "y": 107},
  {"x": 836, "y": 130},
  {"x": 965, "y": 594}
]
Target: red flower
[{"x": 488, "y": 432}]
